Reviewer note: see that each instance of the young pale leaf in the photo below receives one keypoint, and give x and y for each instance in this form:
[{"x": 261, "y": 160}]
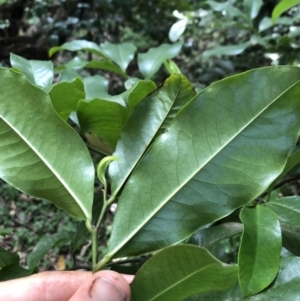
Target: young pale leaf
[
  {"x": 282, "y": 7},
  {"x": 39, "y": 73},
  {"x": 226, "y": 50},
  {"x": 43, "y": 246},
  {"x": 122, "y": 54},
  {"x": 65, "y": 96},
  {"x": 102, "y": 166},
  {"x": 150, "y": 62},
  {"x": 78, "y": 45},
  {"x": 103, "y": 118},
  {"x": 181, "y": 271},
  {"x": 146, "y": 121},
  {"x": 177, "y": 29},
  {"x": 171, "y": 67},
  {"x": 292, "y": 161},
  {"x": 285, "y": 287},
  {"x": 291, "y": 237},
  {"x": 39, "y": 153},
  {"x": 259, "y": 254},
  {"x": 287, "y": 209},
  {"x": 209, "y": 237},
  {"x": 209, "y": 162}
]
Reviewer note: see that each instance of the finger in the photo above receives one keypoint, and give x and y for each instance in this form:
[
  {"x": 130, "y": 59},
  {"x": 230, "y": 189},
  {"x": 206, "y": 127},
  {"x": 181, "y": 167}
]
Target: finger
[{"x": 104, "y": 286}]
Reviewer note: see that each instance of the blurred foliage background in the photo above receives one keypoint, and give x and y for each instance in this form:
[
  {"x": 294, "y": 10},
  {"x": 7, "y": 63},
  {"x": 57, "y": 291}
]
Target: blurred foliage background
[{"x": 220, "y": 38}]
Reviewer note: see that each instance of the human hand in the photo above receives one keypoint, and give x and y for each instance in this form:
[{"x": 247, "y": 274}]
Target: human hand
[{"x": 68, "y": 286}]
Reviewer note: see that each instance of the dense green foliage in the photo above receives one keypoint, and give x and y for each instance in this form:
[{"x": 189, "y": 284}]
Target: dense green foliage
[{"x": 196, "y": 175}]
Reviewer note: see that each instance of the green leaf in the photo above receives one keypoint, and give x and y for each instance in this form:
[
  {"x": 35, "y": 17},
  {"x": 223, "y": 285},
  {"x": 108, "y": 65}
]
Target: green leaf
[
  {"x": 210, "y": 161},
  {"x": 285, "y": 287},
  {"x": 150, "y": 62},
  {"x": 65, "y": 96},
  {"x": 102, "y": 166},
  {"x": 78, "y": 45},
  {"x": 291, "y": 237},
  {"x": 171, "y": 67},
  {"x": 147, "y": 120},
  {"x": 227, "y": 50},
  {"x": 68, "y": 75},
  {"x": 7, "y": 258},
  {"x": 103, "y": 118},
  {"x": 265, "y": 23},
  {"x": 15, "y": 271},
  {"x": 79, "y": 238},
  {"x": 122, "y": 54},
  {"x": 253, "y": 7},
  {"x": 177, "y": 29},
  {"x": 39, "y": 73},
  {"x": 292, "y": 161},
  {"x": 259, "y": 254},
  {"x": 95, "y": 87},
  {"x": 209, "y": 237},
  {"x": 231, "y": 10},
  {"x": 43, "y": 247},
  {"x": 180, "y": 271},
  {"x": 79, "y": 63},
  {"x": 40, "y": 154},
  {"x": 287, "y": 209},
  {"x": 282, "y": 7}
]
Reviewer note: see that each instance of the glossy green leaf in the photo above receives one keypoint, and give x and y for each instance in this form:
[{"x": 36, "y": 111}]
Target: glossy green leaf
[
  {"x": 95, "y": 87},
  {"x": 65, "y": 96},
  {"x": 68, "y": 75},
  {"x": 227, "y": 50},
  {"x": 181, "y": 271},
  {"x": 122, "y": 54},
  {"x": 39, "y": 153},
  {"x": 79, "y": 63},
  {"x": 177, "y": 29},
  {"x": 43, "y": 247},
  {"x": 292, "y": 161},
  {"x": 103, "y": 118},
  {"x": 171, "y": 67},
  {"x": 80, "y": 237},
  {"x": 287, "y": 209},
  {"x": 259, "y": 254},
  {"x": 285, "y": 287},
  {"x": 291, "y": 237},
  {"x": 78, "y": 45},
  {"x": 282, "y": 7},
  {"x": 209, "y": 237},
  {"x": 209, "y": 162},
  {"x": 39, "y": 73},
  {"x": 146, "y": 121},
  {"x": 150, "y": 62}
]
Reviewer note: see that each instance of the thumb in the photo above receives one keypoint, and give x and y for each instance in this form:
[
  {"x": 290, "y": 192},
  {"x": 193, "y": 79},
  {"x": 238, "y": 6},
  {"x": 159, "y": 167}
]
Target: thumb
[{"x": 104, "y": 286}]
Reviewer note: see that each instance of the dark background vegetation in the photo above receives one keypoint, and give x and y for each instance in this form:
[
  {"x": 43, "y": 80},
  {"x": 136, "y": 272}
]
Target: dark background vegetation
[{"x": 30, "y": 27}]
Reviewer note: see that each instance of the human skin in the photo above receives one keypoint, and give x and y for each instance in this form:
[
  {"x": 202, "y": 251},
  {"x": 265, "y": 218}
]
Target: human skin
[{"x": 68, "y": 286}]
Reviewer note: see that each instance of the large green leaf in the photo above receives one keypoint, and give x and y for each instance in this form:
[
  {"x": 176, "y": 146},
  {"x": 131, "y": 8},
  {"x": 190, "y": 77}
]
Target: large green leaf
[
  {"x": 282, "y": 7},
  {"x": 146, "y": 121},
  {"x": 181, "y": 271},
  {"x": 287, "y": 209},
  {"x": 95, "y": 87},
  {"x": 78, "y": 45},
  {"x": 285, "y": 287},
  {"x": 43, "y": 246},
  {"x": 259, "y": 254},
  {"x": 150, "y": 62},
  {"x": 220, "y": 152},
  {"x": 103, "y": 118},
  {"x": 39, "y": 73},
  {"x": 65, "y": 96},
  {"x": 122, "y": 54},
  {"x": 39, "y": 153},
  {"x": 209, "y": 237}
]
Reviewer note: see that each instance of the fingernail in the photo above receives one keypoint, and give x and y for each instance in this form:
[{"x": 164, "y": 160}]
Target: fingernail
[{"x": 104, "y": 290}]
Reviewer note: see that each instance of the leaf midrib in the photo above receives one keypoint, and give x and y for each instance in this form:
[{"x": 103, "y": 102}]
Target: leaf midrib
[
  {"x": 44, "y": 160},
  {"x": 121, "y": 244}
]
